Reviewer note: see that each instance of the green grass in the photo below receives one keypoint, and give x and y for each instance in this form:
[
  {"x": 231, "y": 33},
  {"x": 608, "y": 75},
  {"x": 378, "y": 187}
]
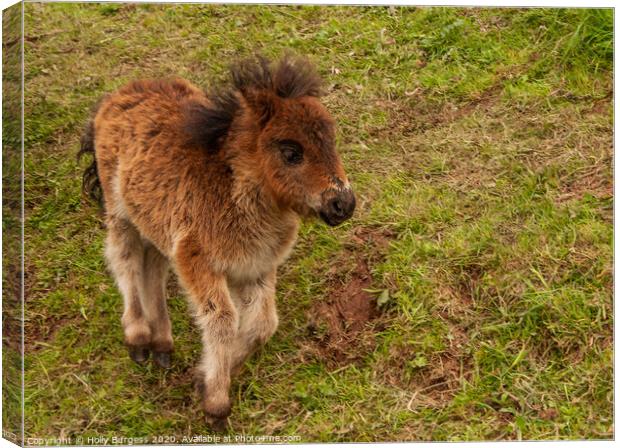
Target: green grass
[{"x": 479, "y": 142}]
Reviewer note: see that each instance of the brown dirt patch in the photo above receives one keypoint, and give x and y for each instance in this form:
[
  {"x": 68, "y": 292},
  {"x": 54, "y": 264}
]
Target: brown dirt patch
[
  {"x": 344, "y": 318},
  {"x": 343, "y": 327}
]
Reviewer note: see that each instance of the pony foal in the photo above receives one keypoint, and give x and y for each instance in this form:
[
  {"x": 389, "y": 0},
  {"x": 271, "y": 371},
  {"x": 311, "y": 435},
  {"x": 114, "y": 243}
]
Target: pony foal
[{"x": 213, "y": 185}]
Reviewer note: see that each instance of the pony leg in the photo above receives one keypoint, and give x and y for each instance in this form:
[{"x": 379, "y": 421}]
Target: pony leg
[
  {"x": 218, "y": 319},
  {"x": 154, "y": 304},
  {"x": 124, "y": 253},
  {"x": 258, "y": 319}
]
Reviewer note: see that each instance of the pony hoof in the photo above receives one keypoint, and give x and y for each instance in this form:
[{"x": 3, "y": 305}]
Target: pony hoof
[
  {"x": 138, "y": 354},
  {"x": 217, "y": 424},
  {"x": 217, "y": 414},
  {"x": 162, "y": 359}
]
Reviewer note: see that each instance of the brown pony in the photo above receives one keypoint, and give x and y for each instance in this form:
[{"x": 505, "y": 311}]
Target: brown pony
[{"x": 213, "y": 185}]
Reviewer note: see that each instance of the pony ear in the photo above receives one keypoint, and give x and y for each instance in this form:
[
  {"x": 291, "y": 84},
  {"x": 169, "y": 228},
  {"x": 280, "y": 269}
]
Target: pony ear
[{"x": 262, "y": 103}]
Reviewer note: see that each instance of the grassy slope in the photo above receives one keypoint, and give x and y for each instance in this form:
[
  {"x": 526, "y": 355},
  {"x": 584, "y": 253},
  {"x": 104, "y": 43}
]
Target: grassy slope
[{"x": 480, "y": 146}]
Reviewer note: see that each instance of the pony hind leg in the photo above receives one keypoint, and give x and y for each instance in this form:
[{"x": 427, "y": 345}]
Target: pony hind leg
[
  {"x": 156, "y": 268},
  {"x": 124, "y": 253}
]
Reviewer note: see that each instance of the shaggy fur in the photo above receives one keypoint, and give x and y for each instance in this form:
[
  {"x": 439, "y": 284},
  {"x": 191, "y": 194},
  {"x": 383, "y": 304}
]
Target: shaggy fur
[{"x": 213, "y": 186}]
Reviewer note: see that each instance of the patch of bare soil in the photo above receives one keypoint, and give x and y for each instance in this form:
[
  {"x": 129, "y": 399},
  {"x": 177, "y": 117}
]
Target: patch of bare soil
[
  {"x": 344, "y": 318},
  {"x": 343, "y": 328}
]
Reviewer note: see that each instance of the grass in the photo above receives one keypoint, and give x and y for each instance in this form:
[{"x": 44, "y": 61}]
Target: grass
[{"x": 479, "y": 142}]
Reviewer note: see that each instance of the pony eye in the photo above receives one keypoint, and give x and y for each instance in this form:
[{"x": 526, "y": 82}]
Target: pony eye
[{"x": 291, "y": 151}]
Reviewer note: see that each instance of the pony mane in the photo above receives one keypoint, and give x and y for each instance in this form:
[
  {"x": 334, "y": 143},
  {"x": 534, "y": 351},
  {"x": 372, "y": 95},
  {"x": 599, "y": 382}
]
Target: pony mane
[
  {"x": 290, "y": 77},
  {"x": 206, "y": 126}
]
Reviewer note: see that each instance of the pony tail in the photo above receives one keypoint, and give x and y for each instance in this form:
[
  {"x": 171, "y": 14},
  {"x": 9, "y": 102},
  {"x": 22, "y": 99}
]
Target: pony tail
[{"x": 91, "y": 185}]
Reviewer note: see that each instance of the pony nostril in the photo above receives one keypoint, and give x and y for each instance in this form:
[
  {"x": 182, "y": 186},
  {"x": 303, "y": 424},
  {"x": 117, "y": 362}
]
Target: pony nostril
[
  {"x": 336, "y": 210},
  {"x": 337, "y": 207}
]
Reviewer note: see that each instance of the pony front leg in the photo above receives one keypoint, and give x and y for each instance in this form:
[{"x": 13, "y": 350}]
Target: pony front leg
[
  {"x": 218, "y": 319},
  {"x": 258, "y": 317}
]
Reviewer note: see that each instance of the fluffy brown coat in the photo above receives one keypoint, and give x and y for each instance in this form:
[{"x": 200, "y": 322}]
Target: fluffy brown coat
[{"x": 214, "y": 185}]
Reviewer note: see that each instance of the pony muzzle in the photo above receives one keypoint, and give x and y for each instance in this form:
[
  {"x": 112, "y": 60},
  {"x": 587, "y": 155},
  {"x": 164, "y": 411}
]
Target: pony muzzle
[{"x": 337, "y": 205}]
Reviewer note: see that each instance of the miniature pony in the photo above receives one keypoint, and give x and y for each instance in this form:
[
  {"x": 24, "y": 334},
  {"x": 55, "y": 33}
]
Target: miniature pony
[{"x": 214, "y": 186}]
